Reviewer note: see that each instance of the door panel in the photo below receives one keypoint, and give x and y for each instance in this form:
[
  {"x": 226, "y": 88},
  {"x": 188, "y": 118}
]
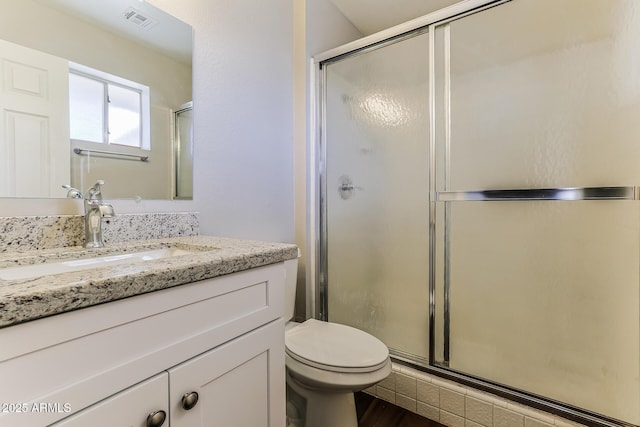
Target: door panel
[
  {"x": 541, "y": 296},
  {"x": 377, "y": 175},
  {"x": 34, "y": 123}
]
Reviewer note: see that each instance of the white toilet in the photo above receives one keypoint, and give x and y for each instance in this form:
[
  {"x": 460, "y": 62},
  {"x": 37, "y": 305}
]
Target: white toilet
[{"x": 326, "y": 363}]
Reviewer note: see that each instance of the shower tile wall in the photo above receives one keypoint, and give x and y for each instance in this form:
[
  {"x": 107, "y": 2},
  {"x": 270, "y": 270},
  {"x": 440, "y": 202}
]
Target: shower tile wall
[{"x": 456, "y": 406}]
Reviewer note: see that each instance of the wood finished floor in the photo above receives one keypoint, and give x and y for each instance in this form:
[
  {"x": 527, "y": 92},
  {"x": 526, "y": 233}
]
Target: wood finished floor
[{"x": 374, "y": 412}]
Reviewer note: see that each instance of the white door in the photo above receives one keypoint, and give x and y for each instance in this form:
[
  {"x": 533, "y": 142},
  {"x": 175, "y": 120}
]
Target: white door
[
  {"x": 239, "y": 384},
  {"x": 34, "y": 123}
]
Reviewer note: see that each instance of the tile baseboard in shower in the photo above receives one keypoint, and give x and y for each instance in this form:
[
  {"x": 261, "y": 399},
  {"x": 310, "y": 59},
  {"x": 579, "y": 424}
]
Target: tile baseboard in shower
[{"x": 457, "y": 406}]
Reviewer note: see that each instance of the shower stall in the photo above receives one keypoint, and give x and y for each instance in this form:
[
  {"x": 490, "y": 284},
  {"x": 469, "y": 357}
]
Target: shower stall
[{"x": 478, "y": 201}]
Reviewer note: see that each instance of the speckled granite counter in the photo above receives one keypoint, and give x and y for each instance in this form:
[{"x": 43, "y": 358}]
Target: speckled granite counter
[{"x": 28, "y": 299}]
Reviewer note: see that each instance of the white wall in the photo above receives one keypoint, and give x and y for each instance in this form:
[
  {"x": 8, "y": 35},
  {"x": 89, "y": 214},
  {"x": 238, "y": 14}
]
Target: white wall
[{"x": 243, "y": 115}]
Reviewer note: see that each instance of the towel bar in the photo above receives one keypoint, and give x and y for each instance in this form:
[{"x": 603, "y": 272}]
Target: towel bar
[
  {"x": 577, "y": 193},
  {"x": 111, "y": 153}
]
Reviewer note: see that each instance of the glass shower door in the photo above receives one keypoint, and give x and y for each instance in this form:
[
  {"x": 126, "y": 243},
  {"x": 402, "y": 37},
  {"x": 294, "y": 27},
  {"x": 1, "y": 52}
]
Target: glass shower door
[
  {"x": 537, "y": 218},
  {"x": 376, "y": 203}
]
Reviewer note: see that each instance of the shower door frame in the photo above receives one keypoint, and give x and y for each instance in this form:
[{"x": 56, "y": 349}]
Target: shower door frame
[{"x": 317, "y": 244}]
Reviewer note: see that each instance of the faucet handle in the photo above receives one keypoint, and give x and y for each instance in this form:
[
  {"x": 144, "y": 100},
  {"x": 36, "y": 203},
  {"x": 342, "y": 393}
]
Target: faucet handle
[
  {"x": 106, "y": 211},
  {"x": 95, "y": 192},
  {"x": 72, "y": 193}
]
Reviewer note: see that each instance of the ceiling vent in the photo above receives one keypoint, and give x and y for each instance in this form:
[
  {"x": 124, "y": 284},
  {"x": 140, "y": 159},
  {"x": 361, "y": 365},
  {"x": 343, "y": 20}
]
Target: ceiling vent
[{"x": 139, "y": 18}]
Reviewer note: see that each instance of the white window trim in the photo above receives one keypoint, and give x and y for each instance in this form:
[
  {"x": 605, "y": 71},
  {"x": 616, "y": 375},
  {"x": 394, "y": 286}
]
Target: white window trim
[{"x": 145, "y": 103}]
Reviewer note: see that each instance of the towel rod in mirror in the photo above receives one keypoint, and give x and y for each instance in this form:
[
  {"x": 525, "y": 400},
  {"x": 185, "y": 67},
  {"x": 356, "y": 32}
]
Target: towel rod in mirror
[{"x": 79, "y": 151}]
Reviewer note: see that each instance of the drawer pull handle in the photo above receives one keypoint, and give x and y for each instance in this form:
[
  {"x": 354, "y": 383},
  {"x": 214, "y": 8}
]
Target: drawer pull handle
[
  {"x": 189, "y": 400},
  {"x": 156, "y": 419}
]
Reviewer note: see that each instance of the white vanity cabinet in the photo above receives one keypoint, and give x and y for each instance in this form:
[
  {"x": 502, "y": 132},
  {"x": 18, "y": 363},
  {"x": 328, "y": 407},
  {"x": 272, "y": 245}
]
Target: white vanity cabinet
[{"x": 115, "y": 363}]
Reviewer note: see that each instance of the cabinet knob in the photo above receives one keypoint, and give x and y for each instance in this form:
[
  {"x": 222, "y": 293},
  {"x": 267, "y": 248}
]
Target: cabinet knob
[
  {"x": 189, "y": 400},
  {"x": 156, "y": 418}
]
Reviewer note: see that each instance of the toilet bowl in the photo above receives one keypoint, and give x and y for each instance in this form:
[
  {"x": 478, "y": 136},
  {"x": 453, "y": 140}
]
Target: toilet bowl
[{"x": 325, "y": 364}]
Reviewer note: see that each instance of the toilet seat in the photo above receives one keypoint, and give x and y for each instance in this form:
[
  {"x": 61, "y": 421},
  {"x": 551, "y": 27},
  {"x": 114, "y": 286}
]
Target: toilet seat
[{"x": 334, "y": 347}]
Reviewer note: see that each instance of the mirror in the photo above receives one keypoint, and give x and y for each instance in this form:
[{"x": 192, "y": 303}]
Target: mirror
[{"x": 130, "y": 41}]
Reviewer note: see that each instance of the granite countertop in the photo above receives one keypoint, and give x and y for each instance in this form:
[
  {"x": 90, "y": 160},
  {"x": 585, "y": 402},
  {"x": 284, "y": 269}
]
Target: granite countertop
[{"x": 22, "y": 300}]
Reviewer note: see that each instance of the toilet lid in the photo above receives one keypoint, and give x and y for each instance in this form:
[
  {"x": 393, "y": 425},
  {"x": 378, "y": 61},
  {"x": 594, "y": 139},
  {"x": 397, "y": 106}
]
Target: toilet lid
[{"x": 335, "y": 346}]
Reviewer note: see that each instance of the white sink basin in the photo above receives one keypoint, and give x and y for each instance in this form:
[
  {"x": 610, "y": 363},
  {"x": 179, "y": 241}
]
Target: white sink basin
[{"x": 38, "y": 270}]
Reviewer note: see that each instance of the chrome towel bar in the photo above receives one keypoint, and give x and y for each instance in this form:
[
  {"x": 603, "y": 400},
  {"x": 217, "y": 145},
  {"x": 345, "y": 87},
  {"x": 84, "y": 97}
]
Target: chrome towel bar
[
  {"x": 584, "y": 193},
  {"x": 110, "y": 153}
]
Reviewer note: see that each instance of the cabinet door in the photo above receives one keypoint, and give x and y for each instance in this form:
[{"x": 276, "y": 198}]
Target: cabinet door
[
  {"x": 239, "y": 384},
  {"x": 129, "y": 408}
]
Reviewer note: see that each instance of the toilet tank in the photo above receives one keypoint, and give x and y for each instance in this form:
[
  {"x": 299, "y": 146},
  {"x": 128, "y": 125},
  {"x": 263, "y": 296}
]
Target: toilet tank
[{"x": 290, "y": 282}]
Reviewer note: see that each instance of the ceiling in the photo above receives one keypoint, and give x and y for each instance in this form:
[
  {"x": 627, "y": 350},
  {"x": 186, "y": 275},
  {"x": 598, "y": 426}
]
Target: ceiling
[
  {"x": 371, "y": 16},
  {"x": 368, "y": 16},
  {"x": 166, "y": 33}
]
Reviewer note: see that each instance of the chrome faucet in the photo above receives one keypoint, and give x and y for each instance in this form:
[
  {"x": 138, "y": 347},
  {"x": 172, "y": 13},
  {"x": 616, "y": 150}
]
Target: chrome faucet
[
  {"x": 94, "y": 210},
  {"x": 72, "y": 193}
]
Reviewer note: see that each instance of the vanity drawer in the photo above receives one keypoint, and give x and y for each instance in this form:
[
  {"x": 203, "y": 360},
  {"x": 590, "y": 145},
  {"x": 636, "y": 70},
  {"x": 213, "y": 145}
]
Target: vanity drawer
[
  {"x": 77, "y": 358},
  {"x": 133, "y": 404}
]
